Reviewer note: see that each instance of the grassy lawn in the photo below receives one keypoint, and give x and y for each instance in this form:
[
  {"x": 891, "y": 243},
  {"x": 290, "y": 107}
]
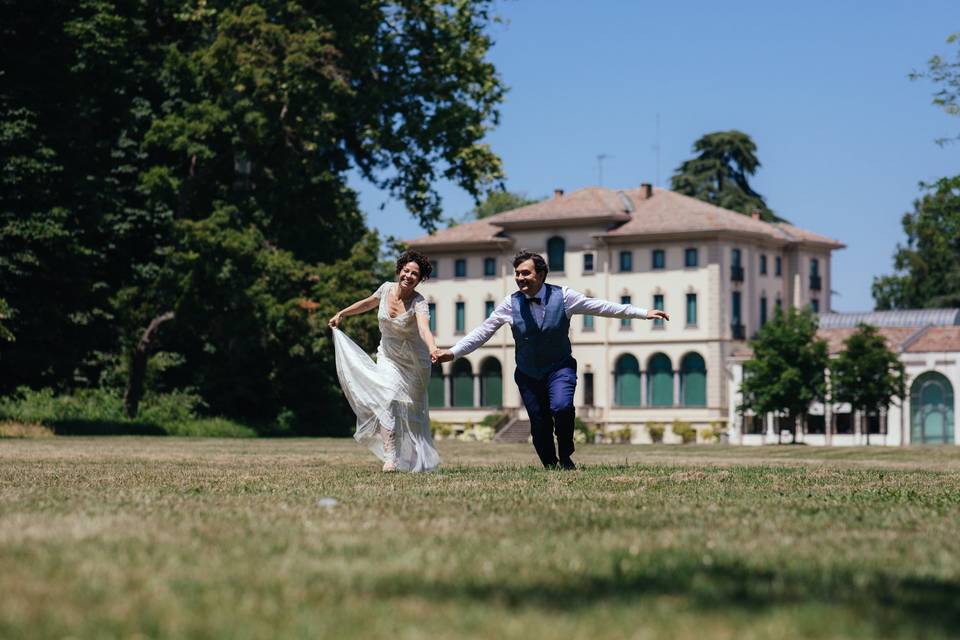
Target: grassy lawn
[{"x": 169, "y": 537}]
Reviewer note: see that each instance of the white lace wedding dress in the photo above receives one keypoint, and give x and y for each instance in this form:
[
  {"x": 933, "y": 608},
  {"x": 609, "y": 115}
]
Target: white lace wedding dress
[{"x": 389, "y": 395}]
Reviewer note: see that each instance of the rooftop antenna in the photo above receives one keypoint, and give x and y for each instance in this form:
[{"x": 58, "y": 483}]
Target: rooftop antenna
[{"x": 600, "y": 158}]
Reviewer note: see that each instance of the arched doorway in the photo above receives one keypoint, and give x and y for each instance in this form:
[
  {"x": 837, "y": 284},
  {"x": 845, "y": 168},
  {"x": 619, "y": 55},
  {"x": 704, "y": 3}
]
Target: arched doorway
[
  {"x": 693, "y": 380},
  {"x": 435, "y": 388},
  {"x": 627, "y": 381},
  {"x": 462, "y": 384},
  {"x": 491, "y": 383},
  {"x": 660, "y": 381},
  {"x": 931, "y": 409}
]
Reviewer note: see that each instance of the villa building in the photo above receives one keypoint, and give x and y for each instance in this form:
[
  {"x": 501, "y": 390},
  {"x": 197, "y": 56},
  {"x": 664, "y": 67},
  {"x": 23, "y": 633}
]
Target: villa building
[{"x": 718, "y": 273}]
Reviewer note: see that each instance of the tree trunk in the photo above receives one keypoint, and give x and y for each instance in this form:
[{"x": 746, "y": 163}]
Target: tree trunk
[{"x": 138, "y": 366}]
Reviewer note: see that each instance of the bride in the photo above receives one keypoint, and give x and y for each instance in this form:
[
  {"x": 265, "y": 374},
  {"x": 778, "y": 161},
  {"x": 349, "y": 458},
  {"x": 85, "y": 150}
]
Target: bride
[{"x": 389, "y": 396}]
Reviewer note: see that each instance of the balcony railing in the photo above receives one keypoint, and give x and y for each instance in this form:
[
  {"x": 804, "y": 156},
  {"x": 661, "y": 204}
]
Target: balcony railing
[
  {"x": 815, "y": 283},
  {"x": 736, "y": 274},
  {"x": 739, "y": 331}
]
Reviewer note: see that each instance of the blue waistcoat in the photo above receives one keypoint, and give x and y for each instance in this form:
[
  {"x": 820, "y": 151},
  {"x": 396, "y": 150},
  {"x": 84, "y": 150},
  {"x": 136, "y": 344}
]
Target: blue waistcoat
[{"x": 541, "y": 349}]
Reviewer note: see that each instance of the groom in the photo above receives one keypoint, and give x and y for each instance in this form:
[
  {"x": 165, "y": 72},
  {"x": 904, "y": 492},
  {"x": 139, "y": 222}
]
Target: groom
[{"x": 539, "y": 315}]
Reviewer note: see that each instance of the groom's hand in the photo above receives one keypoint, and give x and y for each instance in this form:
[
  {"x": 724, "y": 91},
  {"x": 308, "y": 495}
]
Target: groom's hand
[
  {"x": 441, "y": 355},
  {"x": 657, "y": 314}
]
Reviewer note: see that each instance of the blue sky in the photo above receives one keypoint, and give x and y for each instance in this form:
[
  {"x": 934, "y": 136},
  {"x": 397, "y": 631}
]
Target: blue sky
[{"x": 843, "y": 136}]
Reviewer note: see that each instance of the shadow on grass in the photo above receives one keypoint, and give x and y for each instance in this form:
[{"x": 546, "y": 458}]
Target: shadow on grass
[
  {"x": 106, "y": 428},
  {"x": 887, "y": 601}
]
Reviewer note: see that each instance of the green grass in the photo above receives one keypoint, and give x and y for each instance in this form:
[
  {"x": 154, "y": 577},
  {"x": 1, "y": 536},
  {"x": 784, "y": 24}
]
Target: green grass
[{"x": 199, "y": 538}]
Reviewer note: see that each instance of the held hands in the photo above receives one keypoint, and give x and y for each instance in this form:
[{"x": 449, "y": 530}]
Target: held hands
[
  {"x": 657, "y": 314},
  {"x": 441, "y": 355}
]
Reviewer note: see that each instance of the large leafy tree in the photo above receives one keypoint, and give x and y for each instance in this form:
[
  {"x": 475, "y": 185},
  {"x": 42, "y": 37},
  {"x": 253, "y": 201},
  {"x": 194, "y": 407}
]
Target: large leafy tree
[
  {"x": 499, "y": 201},
  {"x": 945, "y": 73},
  {"x": 787, "y": 370},
  {"x": 187, "y": 161},
  {"x": 928, "y": 264},
  {"x": 720, "y": 172},
  {"x": 867, "y": 374}
]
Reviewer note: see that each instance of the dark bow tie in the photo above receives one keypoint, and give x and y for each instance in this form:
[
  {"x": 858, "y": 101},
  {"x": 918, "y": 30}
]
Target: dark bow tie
[{"x": 534, "y": 300}]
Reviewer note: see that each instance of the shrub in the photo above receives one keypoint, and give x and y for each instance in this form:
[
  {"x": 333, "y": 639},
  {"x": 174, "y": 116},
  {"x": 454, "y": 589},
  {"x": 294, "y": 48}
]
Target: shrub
[
  {"x": 685, "y": 430},
  {"x": 210, "y": 428},
  {"x": 441, "y": 429},
  {"x": 655, "y": 429},
  {"x": 24, "y": 430},
  {"x": 492, "y": 420},
  {"x": 621, "y": 436},
  {"x": 583, "y": 432}
]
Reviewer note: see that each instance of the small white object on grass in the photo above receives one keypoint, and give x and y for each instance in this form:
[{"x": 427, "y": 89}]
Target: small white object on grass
[{"x": 329, "y": 503}]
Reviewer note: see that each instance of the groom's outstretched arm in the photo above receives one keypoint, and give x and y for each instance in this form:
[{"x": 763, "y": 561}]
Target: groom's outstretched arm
[
  {"x": 576, "y": 302},
  {"x": 476, "y": 338}
]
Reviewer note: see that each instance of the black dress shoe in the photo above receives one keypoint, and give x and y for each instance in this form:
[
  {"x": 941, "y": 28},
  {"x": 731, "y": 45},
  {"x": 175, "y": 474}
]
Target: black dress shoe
[{"x": 567, "y": 464}]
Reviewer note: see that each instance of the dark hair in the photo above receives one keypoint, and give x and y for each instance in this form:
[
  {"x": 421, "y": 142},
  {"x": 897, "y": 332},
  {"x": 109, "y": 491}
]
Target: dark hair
[
  {"x": 539, "y": 264},
  {"x": 422, "y": 261}
]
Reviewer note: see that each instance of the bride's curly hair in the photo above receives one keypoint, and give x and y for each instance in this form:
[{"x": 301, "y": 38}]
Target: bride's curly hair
[{"x": 422, "y": 261}]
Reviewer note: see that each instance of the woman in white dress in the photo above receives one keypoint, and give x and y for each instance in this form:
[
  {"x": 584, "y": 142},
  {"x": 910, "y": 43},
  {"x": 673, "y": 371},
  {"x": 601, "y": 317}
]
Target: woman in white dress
[{"x": 389, "y": 395}]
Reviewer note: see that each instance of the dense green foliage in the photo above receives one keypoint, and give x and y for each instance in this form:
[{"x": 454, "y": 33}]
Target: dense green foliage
[
  {"x": 867, "y": 374},
  {"x": 100, "y": 412},
  {"x": 719, "y": 174},
  {"x": 499, "y": 201},
  {"x": 188, "y": 161},
  {"x": 787, "y": 370},
  {"x": 928, "y": 265}
]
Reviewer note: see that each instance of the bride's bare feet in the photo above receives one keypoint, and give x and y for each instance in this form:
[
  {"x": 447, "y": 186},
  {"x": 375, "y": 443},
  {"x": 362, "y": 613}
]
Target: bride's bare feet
[{"x": 389, "y": 450}]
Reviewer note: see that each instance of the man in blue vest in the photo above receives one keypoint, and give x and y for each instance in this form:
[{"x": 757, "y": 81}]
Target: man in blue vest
[{"x": 546, "y": 372}]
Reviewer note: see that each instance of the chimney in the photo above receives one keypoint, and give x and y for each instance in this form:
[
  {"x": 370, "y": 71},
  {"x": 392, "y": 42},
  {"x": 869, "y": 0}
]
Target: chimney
[
  {"x": 755, "y": 214},
  {"x": 646, "y": 190},
  {"x": 558, "y": 193}
]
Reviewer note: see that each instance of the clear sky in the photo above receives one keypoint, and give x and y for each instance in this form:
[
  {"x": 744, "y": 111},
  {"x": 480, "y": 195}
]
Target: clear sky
[{"x": 844, "y": 137}]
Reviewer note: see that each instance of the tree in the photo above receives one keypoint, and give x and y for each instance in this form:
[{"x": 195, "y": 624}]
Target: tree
[
  {"x": 719, "y": 173},
  {"x": 191, "y": 158},
  {"x": 928, "y": 265},
  {"x": 787, "y": 371},
  {"x": 867, "y": 374},
  {"x": 499, "y": 201},
  {"x": 946, "y": 74}
]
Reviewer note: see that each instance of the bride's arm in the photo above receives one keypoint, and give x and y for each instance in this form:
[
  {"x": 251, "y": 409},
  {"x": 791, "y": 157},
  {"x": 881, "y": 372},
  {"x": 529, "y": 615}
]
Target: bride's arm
[
  {"x": 360, "y": 306},
  {"x": 423, "y": 326}
]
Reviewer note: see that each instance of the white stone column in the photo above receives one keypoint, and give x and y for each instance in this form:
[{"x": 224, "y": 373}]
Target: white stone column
[
  {"x": 447, "y": 391},
  {"x": 643, "y": 389},
  {"x": 676, "y": 388},
  {"x": 476, "y": 390}
]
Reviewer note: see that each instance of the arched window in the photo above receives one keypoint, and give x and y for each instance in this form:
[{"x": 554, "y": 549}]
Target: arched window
[
  {"x": 491, "y": 383},
  {"x": 693, "y": 380},
  {"x": 556, "y": 247},
  {"x": 627, "y": 381},
  {"x": 435, "y": 388},
  {"x": 931, "y": 409},
  {"x": 462, "y": 384},
  {"x": 660, "y": 381}
]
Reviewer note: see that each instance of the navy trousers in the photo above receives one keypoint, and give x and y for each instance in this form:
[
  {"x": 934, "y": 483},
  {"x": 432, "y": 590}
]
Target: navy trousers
[{"x": 549, "y": 403}]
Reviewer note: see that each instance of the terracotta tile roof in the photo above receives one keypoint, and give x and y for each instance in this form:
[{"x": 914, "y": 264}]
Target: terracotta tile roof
[
  {"x": 591, "y": 203},
  {"x": 937, "y": 339},
  {"x": 665, "y": 212},
  {"x": 898, "y": 318},
  {"x": 809, "y": 236},
  {"x": 479, "y": 231},
  {"x": 896, "y": 337},
  {"x": 668, "y": 212}
]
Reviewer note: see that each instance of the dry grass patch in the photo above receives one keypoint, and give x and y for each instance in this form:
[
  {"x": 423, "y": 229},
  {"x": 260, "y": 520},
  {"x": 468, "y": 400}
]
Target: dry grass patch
[{"x": 11, "y": 429}]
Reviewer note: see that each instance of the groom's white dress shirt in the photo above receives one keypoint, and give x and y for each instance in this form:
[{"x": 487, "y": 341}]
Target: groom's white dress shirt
[{"x": 573, "y": 302}]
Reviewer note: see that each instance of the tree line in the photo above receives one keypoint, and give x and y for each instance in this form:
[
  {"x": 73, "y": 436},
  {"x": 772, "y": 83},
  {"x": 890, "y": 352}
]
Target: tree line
[{"x": 174, "y": 207}]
